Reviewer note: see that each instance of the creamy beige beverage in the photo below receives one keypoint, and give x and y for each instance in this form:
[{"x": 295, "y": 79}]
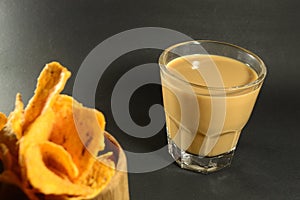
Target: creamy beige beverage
[{"x": 234, "y": 106}]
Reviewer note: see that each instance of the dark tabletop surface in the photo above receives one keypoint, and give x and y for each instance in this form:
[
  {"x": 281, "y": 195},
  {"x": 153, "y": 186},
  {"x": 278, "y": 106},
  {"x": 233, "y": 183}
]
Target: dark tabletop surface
[{"x": 266, "y": 164}]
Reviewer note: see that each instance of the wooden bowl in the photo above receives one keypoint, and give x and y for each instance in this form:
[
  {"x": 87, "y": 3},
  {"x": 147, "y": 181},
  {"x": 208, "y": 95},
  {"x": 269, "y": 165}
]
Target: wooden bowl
[{"x": 117, "y": 189}]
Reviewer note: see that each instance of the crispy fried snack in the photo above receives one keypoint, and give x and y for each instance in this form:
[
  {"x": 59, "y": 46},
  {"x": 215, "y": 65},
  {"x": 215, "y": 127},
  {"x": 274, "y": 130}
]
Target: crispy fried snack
[{"x": 49, "y": 149}]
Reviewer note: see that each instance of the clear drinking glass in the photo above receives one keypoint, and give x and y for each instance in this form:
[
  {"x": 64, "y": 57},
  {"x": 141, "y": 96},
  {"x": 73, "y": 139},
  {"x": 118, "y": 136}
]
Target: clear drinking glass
[{"x": 204, "y": 120}]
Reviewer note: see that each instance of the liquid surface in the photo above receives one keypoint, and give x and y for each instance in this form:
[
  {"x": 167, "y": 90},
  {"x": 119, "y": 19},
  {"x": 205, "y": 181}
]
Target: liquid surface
[
  {"x": 191, "y": 121},
  {"x": 217, "y": 70}
]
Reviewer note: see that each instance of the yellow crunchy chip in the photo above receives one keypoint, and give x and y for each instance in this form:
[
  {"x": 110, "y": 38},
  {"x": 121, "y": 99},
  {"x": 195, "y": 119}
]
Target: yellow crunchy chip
[
  {"x": 16, "y": 118},
  {"x": 31, "y": 159},
  {"x": 8, "y": 138},
  {"x": 50, "y": 149},
  {"x": 9, "y": 149},
  {"x": 5, "y": 157},
  {"x": 89, "y": 130},
  {"x": 37, "y": 132},
  {"x": 101, "y": 122},
  {"x": 99, "y": 176},
  {"x": 3, "y": 120},
  {"x": 58, "y": 160},
  {"x": 11, "y": 132},
  {"x": 40, "y": 130},
  {"x": 106, "y": 156},
  {"x": 50, "y": 83},
  {"x": 46, "y": 181},
  {"x": 78, "y": 130}
]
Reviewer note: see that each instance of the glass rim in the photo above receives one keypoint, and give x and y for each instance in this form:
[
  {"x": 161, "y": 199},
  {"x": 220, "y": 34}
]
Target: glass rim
[{"x": 260, "y": 78}]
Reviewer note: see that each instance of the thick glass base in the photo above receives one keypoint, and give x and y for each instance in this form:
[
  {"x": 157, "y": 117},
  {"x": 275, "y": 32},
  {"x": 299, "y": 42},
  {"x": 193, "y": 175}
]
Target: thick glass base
[{"x": 198, "y": 163}]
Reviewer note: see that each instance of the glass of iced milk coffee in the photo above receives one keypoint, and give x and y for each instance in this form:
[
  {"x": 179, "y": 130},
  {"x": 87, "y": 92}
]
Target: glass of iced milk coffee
[{"x": 209, "y": 91}]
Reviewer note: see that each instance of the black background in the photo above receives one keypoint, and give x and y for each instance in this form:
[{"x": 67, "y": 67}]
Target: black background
[{"x": 266, "y": 164}]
